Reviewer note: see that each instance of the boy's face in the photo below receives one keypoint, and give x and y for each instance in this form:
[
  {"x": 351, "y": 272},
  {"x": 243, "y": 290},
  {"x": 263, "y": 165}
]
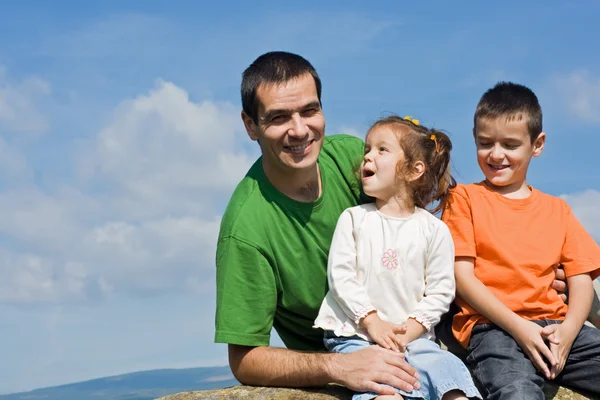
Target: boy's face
[{"x": 504, "y": 150}]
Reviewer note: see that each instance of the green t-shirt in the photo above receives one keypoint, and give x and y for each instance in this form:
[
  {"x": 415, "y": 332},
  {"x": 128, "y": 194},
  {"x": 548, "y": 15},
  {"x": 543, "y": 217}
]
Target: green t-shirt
[{"x": 272, "y": 252}]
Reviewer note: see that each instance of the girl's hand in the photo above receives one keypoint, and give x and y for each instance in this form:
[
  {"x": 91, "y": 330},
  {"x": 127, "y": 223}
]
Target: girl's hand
[
  {"x": 385, "y": 334},
  {"x": 530, "y": 338},
  {"x": 564, "y": 335}
]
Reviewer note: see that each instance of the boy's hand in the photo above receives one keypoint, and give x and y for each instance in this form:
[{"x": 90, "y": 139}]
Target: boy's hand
[
  {"x": 565, "y": 335},
  {"x": 529, "y": 336},
  {"x": 384, "y": 333}
]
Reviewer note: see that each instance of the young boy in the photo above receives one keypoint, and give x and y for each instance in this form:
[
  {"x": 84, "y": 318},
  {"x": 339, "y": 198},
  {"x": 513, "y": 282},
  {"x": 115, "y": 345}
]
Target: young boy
[{"x": 509, "y": 237}]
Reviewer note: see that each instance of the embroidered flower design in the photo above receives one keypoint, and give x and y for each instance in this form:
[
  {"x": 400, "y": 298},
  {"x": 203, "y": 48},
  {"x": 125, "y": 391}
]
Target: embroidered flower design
[{"x": 390, "y": 259}]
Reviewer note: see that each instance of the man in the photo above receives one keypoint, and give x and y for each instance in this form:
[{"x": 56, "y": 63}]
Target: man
[{"x": 275, "y": 236}]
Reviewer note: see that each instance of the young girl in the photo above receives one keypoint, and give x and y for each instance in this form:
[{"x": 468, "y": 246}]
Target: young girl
[{"x": 391, "y": 263}]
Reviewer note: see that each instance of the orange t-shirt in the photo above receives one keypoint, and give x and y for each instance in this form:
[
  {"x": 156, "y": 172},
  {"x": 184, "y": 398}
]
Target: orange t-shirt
[{"x": 516, "y": 244}]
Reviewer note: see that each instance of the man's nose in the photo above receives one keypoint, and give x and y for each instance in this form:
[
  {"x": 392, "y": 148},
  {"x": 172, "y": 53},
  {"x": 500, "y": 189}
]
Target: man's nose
[{"x": 299, "y": 128}]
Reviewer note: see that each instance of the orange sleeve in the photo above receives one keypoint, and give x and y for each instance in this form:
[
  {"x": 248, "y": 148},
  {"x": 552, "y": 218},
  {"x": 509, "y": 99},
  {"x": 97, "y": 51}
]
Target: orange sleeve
[
  {"x": 580, "y": 252},
  {"x": 458, "y": 217}
]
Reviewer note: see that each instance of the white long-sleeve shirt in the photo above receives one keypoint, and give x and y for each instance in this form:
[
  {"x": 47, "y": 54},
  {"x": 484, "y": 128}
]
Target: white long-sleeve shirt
[{"x": 401, "y": 267}]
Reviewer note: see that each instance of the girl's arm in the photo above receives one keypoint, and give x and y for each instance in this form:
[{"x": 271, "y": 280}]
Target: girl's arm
[
  {"x": 348, "y": 292},
  {"x": 439, "y": 284}
]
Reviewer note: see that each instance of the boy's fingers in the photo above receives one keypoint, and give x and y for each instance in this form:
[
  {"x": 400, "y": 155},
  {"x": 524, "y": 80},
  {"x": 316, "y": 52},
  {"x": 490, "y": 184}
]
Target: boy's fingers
[
  {"x": 540, "y": 364},
  {"x": 549, "y": 355},
  {"x": 548, "y": 333}
]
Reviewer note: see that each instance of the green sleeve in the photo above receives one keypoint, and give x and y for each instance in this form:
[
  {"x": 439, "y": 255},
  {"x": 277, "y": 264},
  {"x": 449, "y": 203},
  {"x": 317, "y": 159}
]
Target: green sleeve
[{"x": 246, "y": 294}]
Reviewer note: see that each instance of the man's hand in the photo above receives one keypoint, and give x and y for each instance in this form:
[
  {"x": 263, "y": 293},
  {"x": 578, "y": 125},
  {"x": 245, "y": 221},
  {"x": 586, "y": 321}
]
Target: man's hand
[
  {"x": 373, "y": 368},
  {"x": 385, "y": 334},
  {"x": 531, "y": 340},
  {"x": 560, "y": 283}
]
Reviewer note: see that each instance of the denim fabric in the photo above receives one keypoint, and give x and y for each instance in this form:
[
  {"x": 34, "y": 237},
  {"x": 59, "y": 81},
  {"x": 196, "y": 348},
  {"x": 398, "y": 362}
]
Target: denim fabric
[
  {"x": 505, "y": 372},
  {"x": 439, "y": 370}
]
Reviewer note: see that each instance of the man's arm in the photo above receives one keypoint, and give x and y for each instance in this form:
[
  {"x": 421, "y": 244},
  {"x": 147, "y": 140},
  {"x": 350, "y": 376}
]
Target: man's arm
[
  {"x": 363, "y": 370},
  {"x": 526, "y": 333},
  {"x": 560, "y": 285}
]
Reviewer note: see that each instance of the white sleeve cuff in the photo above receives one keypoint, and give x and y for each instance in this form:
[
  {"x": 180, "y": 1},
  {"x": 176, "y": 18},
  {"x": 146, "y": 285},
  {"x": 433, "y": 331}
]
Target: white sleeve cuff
[{"x": 423, "y": 319}]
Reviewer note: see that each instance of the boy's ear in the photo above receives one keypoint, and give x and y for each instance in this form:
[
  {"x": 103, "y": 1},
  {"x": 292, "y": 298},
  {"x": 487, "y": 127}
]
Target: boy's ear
[
  {"x": 538, "y": 144},
  {"x": 251, "y": 128}
]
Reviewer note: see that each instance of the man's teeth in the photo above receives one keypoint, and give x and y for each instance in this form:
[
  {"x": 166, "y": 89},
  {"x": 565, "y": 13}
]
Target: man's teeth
[{"x": 297, "y": 149}]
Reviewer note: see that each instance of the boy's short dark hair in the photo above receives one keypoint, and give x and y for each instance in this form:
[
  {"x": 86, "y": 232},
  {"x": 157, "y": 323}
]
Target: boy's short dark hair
[
  {"x": 275, "y": 67},
  {"x": 513, "y": 102}
]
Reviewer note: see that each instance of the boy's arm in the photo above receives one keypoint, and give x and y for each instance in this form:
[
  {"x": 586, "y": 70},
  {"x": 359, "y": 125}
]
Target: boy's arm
[
  {"x": 580, "y": 303},
  {"x": 369, "y": 369},
  {"x": 526, "y": 333}
]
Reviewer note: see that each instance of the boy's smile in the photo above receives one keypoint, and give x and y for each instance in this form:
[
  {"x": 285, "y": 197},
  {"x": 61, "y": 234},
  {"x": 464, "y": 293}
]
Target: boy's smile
[{"x": 504, "y": 150}]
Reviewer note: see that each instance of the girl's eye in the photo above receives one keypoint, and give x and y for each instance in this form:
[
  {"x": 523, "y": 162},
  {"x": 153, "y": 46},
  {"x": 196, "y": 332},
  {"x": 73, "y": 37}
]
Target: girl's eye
[{"x": 383, "y": 149}]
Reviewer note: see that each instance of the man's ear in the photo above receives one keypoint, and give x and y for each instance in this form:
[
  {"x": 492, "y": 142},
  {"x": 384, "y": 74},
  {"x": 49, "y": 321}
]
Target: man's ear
[
  {"x": 538, "y": 144},
  {"x": 251, "y": 128}
]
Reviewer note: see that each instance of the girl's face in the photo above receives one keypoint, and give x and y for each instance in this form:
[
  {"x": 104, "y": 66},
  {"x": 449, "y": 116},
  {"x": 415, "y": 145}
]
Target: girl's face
[{"x": 378, "y": 169}]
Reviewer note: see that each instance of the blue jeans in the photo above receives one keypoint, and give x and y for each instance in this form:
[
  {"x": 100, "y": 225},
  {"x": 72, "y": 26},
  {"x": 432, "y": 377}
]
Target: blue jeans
[
  {"x": 505, "y": 372},
  {"x": 440, "y": 371}
]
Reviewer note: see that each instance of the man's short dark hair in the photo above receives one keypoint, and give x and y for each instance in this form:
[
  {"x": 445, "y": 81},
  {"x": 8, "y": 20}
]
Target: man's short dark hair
[
  {"x": 275, "y": 67},
  {"x": 513, "y": 102}
]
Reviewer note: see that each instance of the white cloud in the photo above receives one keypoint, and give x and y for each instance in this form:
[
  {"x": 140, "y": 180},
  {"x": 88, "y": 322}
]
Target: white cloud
[
  {"x": 143, "y": 218},
  {"x": 19, "y": 104},
  {"x": 585, "y": 208},
  {"x": 580, "y": 92}
]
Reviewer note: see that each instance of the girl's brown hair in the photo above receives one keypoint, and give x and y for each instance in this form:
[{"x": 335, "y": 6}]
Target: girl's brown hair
[{"x": 430, "y": 146}]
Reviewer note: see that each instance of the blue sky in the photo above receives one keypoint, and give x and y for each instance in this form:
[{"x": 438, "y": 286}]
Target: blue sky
[{"x": 120, "y": 143}]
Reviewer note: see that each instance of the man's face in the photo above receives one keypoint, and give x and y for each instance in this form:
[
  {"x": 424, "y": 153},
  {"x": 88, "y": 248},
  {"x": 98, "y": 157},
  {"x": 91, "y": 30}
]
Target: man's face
[{"x": 290, "y": 125}]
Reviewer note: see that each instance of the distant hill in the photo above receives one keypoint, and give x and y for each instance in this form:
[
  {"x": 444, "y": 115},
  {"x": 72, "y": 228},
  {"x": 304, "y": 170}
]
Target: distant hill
[{"x": 144, "y": 385}]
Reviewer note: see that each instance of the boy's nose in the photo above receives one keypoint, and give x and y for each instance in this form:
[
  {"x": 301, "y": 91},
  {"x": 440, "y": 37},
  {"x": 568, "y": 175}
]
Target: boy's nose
[{"x": 497, "y": 153}]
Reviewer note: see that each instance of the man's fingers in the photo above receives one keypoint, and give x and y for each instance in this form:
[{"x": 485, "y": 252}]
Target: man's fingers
[
  {"x": 559, "y": 286},
  {"x": 403, "y": 369},
  {"x": 563, "y": 297},
  {"x": 560, "y": 274},
  {"x": 399, "y": 382},
  {"x": 380, "y": 389}
]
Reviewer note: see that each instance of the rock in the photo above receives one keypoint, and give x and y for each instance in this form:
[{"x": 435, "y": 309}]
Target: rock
[{"x": 330, "y": 392}]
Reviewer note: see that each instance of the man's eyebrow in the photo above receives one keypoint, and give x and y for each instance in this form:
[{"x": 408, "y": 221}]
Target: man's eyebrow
[
  {"x": 271, "y": 113},
  {"x": 313, "y": 104}
]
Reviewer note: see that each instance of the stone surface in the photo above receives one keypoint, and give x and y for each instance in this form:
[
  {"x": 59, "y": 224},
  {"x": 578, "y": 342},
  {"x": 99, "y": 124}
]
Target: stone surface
[{"x": 328, "y": 393}]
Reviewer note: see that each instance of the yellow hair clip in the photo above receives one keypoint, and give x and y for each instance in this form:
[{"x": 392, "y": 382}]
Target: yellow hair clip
[
  {"x": 434, "y": 138},
  {"x": 409, "y": 118}
]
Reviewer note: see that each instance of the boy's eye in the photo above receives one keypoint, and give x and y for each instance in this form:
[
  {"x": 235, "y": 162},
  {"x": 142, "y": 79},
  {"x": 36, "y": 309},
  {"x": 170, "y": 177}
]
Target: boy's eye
[
  {"x": 383, "y": 149},
  {"x": 511, "y": 146},
  {"x": 485, "y": 144}
]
